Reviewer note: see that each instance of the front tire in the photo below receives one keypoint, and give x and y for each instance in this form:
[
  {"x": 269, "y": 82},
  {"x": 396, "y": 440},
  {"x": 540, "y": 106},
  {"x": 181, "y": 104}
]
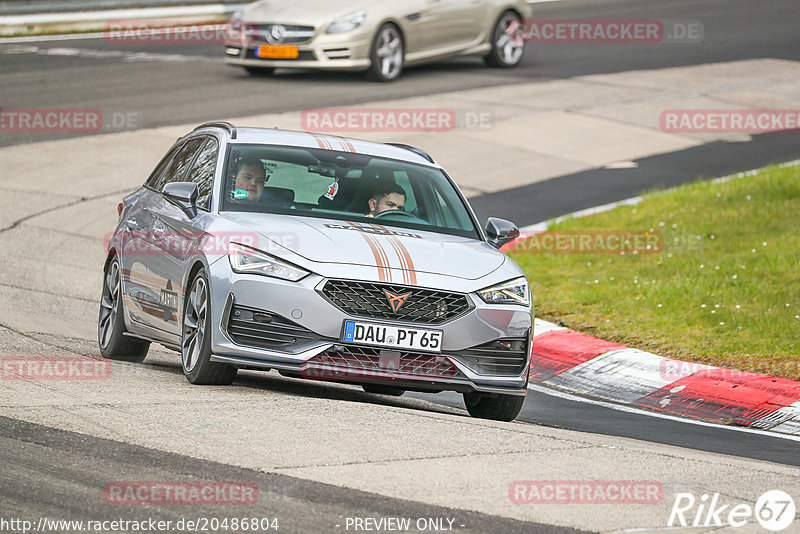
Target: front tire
[
  {"x": 506, "y": 52},
  {"x": 387, "y": 54},
  {"x": 114, "y": 344},
  {"x": 196, "y": 338},
  {"x": 493, "y": 406}
]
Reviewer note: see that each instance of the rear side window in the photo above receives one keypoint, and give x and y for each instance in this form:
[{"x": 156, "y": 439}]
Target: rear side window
[
  {"x": 155, "y": 176},
  {"x": 202, "y": 172},
  {"x": 180, "y": 164}
]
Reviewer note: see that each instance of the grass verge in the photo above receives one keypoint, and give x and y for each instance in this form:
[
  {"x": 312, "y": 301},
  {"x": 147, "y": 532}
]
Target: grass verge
[{"x": 720, "y": 284}]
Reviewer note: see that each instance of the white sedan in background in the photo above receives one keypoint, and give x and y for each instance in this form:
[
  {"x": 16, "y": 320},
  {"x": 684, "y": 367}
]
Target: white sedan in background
[{"x": 379, "y": 37}]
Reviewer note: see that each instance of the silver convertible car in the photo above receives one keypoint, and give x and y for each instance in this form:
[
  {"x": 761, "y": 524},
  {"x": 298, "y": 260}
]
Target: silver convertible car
[
  {"x": 377, "y": 36},
  {"x": 320, "y": 257}
]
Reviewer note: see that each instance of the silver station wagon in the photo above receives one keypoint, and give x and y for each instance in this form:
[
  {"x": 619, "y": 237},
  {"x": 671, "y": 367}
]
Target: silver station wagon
[{"x": 320, "y": 257}]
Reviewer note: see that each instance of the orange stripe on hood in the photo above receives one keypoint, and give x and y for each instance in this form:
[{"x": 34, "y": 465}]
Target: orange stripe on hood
[
  {"x": 406, "y": 255},
  {"x": 381, "y": 260}
]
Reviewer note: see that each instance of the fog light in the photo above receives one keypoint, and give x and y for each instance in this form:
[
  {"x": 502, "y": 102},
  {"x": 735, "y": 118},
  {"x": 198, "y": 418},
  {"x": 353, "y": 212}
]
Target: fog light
[
  {"x": 337, "y": 53},
  {"x": 232, "y": 51}
]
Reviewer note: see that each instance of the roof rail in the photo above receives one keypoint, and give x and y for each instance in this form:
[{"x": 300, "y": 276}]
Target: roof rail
[
  {"x": 415, "y": 150},
  {"x": 220, "y": 124}
]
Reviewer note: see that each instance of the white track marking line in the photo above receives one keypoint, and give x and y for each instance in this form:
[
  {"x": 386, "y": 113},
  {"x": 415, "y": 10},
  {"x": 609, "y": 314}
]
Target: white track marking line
[
  {"x": 118, "y": 14},
  {"x": 47, "y": 38}
]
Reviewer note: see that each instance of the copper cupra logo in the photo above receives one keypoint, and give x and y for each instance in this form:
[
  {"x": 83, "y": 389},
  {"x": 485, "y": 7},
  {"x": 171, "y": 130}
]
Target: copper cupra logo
[{"x": 396, "y": 301}]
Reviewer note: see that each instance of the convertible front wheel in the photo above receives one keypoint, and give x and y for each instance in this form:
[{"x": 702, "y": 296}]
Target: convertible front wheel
[{"x": 387, "y": 54}]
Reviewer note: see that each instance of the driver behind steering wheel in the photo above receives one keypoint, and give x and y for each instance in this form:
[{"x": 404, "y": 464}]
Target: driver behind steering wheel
[{"x": 386, "y": 197}]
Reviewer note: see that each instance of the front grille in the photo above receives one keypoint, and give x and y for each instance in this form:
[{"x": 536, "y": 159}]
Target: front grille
[
  {"x": 256, "y": 328},
  {"x": 344, "y": 358},
  {"x": 506, "y": 357},
  {"x": 292, "y": 34},
  {"x": 367, "y": 299}
]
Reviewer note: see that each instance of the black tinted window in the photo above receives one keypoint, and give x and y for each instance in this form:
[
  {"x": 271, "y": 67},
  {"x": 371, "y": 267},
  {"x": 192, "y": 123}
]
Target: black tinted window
[
  {"x": 155, "y": 176},
  {"x": 202, "y": 172},
  {"x": 180, "y": 164}
]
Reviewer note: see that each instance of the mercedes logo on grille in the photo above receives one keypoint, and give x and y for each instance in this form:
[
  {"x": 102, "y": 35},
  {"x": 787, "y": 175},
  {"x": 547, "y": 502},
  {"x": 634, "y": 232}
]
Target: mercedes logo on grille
[
  {"x": 276, "y": 34},
  {"x": 396, "y": 301}
]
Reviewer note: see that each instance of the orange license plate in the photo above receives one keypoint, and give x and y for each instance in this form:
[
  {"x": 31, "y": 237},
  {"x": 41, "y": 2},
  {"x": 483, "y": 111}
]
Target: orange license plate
[{"x": 277, "y": 52}]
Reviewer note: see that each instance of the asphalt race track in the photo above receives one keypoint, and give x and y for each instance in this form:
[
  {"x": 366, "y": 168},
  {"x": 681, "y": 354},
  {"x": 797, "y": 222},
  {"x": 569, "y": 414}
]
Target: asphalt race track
[
  {"x": 321, "y": 453},
  {"x": 181, "y": 84}
]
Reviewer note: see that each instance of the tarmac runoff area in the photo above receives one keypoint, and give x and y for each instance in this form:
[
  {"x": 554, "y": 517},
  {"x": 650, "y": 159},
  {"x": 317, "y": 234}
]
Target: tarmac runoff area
[{"x": 59, "y": 199}]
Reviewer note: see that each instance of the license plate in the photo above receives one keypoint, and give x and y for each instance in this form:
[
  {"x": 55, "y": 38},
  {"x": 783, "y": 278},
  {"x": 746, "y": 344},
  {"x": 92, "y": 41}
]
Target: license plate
[
  {"x": 277, "y": 52},
  {"x": 384, "y": 335}
]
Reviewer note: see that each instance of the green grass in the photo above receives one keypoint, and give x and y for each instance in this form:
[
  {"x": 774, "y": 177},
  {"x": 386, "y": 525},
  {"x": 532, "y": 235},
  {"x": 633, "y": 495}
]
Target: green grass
[{"x": 724, "y": 290}]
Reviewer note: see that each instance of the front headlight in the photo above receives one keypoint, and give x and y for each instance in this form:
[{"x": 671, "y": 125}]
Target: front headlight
[
  {"x": 512, "y": 292},
  {"x": 251, "y": 261},
  {"x": 348, "y": 23}
]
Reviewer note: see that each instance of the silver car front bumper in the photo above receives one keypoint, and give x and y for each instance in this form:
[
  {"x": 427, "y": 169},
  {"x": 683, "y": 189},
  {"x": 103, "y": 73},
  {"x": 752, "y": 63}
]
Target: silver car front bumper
[{"x": 301, "y": 303}]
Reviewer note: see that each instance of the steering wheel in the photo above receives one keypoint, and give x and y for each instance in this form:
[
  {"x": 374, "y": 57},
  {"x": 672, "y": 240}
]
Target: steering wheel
[{"x": 389, "y": 213}]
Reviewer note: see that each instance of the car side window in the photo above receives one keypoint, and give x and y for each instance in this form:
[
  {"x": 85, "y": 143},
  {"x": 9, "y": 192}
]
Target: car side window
[
  {"x": 180, "y": 163},
  {"x": 155, "y": 176},
  {"x": 202, "y": 172}
]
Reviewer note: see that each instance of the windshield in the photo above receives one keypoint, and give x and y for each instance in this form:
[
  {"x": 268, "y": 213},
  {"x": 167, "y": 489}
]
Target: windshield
[{"x": 343, "y": 185}]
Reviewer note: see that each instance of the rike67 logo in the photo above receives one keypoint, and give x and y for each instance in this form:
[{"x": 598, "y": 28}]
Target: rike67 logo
[{"x": 774, "y": 510}]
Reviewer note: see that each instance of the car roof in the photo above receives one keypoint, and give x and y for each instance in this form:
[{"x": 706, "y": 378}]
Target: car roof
[{"x": 275, "y": 136}]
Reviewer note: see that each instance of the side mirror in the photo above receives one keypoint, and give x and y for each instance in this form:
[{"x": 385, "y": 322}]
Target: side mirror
[
  {"x": 500, "y": 231},
  {"x": 184, "y": 195}
]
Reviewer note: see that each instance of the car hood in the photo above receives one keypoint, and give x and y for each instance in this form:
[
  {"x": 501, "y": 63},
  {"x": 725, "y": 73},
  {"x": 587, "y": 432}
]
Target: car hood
[
  {"x": 303, "y": 12},
  {"x": 388, "y": 248}
]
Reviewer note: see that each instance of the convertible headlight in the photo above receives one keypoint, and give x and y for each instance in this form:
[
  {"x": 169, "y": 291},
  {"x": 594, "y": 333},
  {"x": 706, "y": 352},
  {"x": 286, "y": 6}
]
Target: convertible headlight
[
  {"x": 251, "y": 261},
  {"x": 512, "y": 292},
  {"x": 348, "y": 23}
]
